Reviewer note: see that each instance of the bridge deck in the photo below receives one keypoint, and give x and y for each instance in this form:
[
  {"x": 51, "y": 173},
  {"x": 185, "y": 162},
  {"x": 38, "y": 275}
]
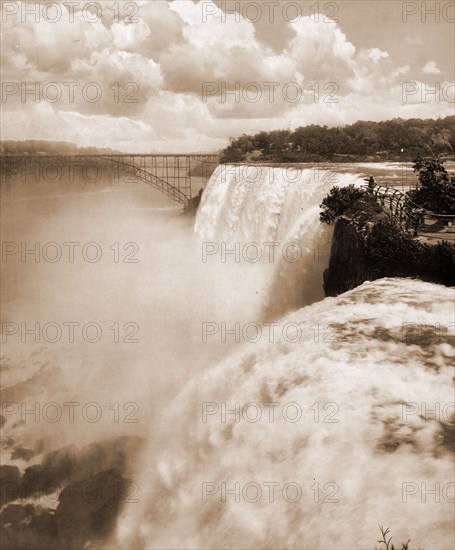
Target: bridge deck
[{"x": 170, "y": 174}]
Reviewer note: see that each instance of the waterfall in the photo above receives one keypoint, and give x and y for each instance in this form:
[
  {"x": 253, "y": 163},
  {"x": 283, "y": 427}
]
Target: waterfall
[
  {"x": 255, "y": 206},
  {"x": 310, "y": 433}
]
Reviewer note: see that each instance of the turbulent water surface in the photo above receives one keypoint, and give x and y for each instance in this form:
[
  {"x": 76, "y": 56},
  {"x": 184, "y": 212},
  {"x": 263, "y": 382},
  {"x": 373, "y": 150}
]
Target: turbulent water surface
[{"x": 259, "y": 413}]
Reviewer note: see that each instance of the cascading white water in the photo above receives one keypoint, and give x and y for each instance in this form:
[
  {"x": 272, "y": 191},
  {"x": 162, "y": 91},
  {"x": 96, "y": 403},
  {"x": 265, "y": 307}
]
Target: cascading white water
[
  {"x": 311, "y": 434},
  {"x": 276, "y": 211},
  {"x": 336, "y": 388},
  {"x": 261, "y": 203}
]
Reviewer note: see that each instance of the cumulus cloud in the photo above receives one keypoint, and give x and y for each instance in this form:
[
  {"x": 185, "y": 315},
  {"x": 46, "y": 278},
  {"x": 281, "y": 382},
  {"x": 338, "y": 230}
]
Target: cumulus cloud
[
  {"x": 431, "y": 68},
  {"x": 376, "y": 54},
  {"x": 152, "y": 74}
]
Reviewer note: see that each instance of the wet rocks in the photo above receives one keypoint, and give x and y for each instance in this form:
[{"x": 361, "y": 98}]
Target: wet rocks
[
  {"x": 22, "y": 453},
  {"x": 29, "y": 526},
  {"x": 87, "y": 511},
  {"x": 15, "y": 513},
  {"x": 347, "y": 268},
  {"x": 9, "y": 483},
  {"x": 88, "y": 485}
]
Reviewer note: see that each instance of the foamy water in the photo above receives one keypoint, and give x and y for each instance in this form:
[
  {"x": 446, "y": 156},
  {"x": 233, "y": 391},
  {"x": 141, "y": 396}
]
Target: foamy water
[
  {"x": 320, "y": 405},
  {"x": 360, "y": 450},
  {"x": 277, "y": 211},
  {"x": 346, "y": 365}
]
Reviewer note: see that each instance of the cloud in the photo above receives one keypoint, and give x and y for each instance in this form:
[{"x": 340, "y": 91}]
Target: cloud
[
  {"x": 431, "y": 68},
  {"x": 414, "y": 40},
  {"x": 161, "y": 63},
  {"x": 376, "y": 54}
]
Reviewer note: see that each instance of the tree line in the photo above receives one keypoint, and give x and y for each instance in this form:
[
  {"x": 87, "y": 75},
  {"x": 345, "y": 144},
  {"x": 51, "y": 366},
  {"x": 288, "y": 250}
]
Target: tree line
[
  {"x": 396, "y": 139},
  {"x": 42, "y": 147}
]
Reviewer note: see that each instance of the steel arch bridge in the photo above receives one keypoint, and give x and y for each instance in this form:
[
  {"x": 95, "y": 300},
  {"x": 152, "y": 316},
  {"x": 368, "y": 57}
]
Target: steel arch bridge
[{"x": 170, "y": 174}]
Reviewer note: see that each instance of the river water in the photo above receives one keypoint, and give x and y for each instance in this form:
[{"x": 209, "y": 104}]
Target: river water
[{"x": 271, "y": 417}]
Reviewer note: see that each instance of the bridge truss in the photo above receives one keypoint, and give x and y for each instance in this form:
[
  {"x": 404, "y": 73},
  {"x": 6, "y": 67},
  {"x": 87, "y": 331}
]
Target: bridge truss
[{"x": 173, "y": 175}]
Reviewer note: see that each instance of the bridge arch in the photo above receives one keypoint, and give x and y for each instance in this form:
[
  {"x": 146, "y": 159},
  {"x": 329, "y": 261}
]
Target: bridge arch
[{"x": 169, "y": 174}]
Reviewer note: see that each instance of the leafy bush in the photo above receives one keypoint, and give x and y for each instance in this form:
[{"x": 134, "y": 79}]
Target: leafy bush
[
  {"x": 346, "y": 201},
  {"x": 232, "y": 153},
  {"x": 390, "y": 250},
  {"x": 437, "y": 191},
  {"x": 437, "y": 262}
]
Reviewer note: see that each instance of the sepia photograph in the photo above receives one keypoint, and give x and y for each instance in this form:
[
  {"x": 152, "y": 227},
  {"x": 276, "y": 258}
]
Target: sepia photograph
[{"x": 227, "y": 269}]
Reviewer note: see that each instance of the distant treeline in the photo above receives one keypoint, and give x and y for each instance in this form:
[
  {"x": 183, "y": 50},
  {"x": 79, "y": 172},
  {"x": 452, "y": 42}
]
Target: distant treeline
[
  {"x": 395, "y": 139},
  {"x": 34, "y": 147}
]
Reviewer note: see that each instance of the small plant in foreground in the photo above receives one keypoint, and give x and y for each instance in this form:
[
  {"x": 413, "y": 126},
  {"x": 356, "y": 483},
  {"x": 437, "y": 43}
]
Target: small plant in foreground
[{"x": 388, "y": 546}]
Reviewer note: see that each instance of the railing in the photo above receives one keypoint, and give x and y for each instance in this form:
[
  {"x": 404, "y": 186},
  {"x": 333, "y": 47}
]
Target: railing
[
  {"x": 170, "y": 174},
  {"x": 412, "y": 216},
  {"x": 179, "y": 193}
]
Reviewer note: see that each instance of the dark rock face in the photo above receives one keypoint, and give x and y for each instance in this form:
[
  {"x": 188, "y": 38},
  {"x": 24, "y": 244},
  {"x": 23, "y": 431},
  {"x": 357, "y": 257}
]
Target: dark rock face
[
  {"x": 9, "y": 483},
  {"x": 15, "y": 513},
  {"x": 88, "y": 509},
  {"x": 29, "y": 526},
  {"x": 93, "y": 482},
  {"x": 87, "y": 512},
  {"x": 22, "y": 453},
  {"x": 347, "y": 268},
  {"x": 193, "y": 204},
  {"x": 68, "y": 464},
  {"x": 365, "y": 250}
]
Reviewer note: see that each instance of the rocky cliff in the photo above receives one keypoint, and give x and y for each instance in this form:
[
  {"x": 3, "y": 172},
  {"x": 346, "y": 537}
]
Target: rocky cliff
[
  {"x": 363, "y": 251},
  {"x": 347, "y": 267}
]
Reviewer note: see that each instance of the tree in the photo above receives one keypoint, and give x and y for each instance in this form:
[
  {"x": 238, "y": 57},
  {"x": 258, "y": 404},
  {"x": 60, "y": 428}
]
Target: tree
[
  {"x": 345, "y": 201},
  {"x": 437, "y": 191},
  {"x": 361, "y": 139}
]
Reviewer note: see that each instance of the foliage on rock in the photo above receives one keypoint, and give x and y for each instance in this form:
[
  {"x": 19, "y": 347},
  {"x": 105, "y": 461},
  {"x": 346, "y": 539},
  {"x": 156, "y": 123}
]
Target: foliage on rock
[
  {"x": 347, "y": 201},
  {"x": 437, "y": 188}
]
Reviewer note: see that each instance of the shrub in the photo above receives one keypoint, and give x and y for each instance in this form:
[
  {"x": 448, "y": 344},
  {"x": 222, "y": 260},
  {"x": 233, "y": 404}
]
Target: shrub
[
  {"x": 345, "y": 201},
  {"x": 437, "y": 191},
  {"x": 437, "y": 261},
  {"x": 391, "y": 252}
]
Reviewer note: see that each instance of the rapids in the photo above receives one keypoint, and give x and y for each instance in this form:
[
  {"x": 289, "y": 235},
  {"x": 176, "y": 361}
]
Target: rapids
[
  {"x": 318, "y": 427},
  {"x": 271, "y": 417}
]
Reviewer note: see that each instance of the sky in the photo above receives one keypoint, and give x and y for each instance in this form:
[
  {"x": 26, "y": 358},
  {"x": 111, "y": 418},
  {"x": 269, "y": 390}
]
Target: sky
[{"x": 183, "y": 76}]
